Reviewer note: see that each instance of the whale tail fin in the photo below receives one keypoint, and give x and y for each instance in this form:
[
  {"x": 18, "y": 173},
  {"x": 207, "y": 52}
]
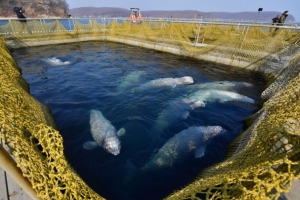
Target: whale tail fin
[
  {"x": 130, "y": 172},
  {"x": 89, "y": 145}
]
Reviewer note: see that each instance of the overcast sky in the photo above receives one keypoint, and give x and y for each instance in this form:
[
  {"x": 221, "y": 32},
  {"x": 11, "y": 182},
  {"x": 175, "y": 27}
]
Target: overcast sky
[{"x": 293, "y": 6}]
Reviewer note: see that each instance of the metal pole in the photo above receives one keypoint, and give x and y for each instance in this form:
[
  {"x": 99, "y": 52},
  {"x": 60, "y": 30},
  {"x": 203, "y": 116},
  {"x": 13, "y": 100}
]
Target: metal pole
[
  {"x": 42, "y": 25},
  {"x": 204, "y": 35},
  {"x": 244, "y": 37},
  {"x": 9, "y": 165},
  {"x": 198, "y": 32},
  {"x": 69, "y": 25}
]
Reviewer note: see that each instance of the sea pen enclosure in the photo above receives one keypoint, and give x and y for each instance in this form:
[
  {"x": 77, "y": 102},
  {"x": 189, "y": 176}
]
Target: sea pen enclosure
[
  {"x": 264, "y": 151},
  {"x": 131, "y": 91}
]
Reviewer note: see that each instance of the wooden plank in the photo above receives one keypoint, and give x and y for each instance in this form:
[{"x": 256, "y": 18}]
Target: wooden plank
[
  {"x": 294, "y": 193},
  {"x": 11, "y": 190},
  {"x": 3, "y": 193},
  {"x": 15, "y": 192}
]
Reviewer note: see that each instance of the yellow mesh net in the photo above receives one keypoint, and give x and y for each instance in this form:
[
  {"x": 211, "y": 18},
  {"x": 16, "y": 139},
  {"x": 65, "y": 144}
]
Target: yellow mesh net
[
  {"x": 261, "y": 162},
  {"x": 29, "y": 131}
]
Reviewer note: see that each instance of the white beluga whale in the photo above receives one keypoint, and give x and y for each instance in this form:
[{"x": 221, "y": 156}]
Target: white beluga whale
[
  {"x": 176, "y": 111},
  {"x": 219, "y": 95},
  {"x": 129, "y": 80},
  {"x": 104, "y": 134},
  {"x": 164, "y": 82},
  {"x": 56, "y": 62},
  {"x": 221, "y": 85},
  {"x": 191, "y": 141}
]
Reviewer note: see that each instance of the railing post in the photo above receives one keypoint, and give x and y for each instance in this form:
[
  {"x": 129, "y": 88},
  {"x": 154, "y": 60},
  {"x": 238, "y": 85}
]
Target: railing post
[
  {"x": 198, "y": 33},
  {"x": 69, "y": 24},
  {"x": 244, "y": 37},
  {"x": 204, "y": 35},
  {"x": 171, "y": 23},
  {"x": 42, "y": 25},
  {"x": 12, "y": 28}
]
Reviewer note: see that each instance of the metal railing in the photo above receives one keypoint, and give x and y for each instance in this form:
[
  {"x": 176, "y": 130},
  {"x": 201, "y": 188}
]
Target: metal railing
[
  {"x": 69, "y": 23},
  {"x": 9, "y": 33}
]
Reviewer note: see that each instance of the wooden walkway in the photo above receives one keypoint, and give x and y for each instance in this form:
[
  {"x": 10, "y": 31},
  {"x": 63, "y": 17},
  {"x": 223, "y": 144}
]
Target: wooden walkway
[{"x": 9, "y": 189}]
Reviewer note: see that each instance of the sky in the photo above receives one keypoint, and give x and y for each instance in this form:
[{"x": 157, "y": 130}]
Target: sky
[{"x": 293, "y": 6}]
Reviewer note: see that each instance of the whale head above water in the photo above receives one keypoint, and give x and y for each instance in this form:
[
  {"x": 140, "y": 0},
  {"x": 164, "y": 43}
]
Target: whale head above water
[
  {"x": 193, "y": 103},
  {"x": 185, "y": 80},
  {"x": 56, "y": 62}
]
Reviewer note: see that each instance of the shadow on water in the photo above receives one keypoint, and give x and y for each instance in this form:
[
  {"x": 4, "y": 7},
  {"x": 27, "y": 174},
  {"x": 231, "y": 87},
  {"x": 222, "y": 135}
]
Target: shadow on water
[{"x": 91, "y": 80}]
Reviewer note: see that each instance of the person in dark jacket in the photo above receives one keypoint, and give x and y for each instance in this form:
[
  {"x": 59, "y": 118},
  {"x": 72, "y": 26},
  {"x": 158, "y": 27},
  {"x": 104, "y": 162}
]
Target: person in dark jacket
[
  {"x": 19, "y": 12},
  {"x": 275, "y": 19},
  {"x": 282, "y": 19},
  {"x": 20, "y": 15}
]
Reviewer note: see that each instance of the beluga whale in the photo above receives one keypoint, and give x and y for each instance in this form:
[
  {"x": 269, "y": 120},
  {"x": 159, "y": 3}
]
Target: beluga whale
[
  {"x": 56, "y": 62},
  {"x": 164, "y": 82},
  {"x": 129, "y": 80},
  {"x": 221, "y": 85},
  {"x": 176, "y": 111},
  {"x": 191, "y": 141},
  {"x": 219, "y": 95},
  {"x": 104, "y": 134}
]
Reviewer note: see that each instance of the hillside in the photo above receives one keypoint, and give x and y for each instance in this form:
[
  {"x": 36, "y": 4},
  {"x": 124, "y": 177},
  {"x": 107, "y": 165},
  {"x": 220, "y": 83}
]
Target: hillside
[
  {"x": 35, "y": 8},
  {"x": 121, "y": 12},
  {"x": 60, "y": 8},
  {"x": 99, "y": 12}
]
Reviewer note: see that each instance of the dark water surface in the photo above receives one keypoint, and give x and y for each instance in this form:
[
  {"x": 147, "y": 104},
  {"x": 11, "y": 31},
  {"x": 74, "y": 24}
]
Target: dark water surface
[{"x": 88, "y": 76}]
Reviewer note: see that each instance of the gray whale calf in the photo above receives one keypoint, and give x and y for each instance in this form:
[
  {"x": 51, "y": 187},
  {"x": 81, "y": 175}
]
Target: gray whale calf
[{"x": 104, "y": 134}]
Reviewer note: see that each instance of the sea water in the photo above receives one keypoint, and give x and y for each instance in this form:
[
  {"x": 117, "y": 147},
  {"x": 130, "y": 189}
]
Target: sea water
[{"x": 72, "y": 79}]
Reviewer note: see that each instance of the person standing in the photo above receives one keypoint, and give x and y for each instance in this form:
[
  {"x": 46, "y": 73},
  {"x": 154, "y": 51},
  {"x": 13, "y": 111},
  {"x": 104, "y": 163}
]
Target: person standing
[
  {"x": 19, "y": 12},
  {"x": 282, "y": 19}
]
